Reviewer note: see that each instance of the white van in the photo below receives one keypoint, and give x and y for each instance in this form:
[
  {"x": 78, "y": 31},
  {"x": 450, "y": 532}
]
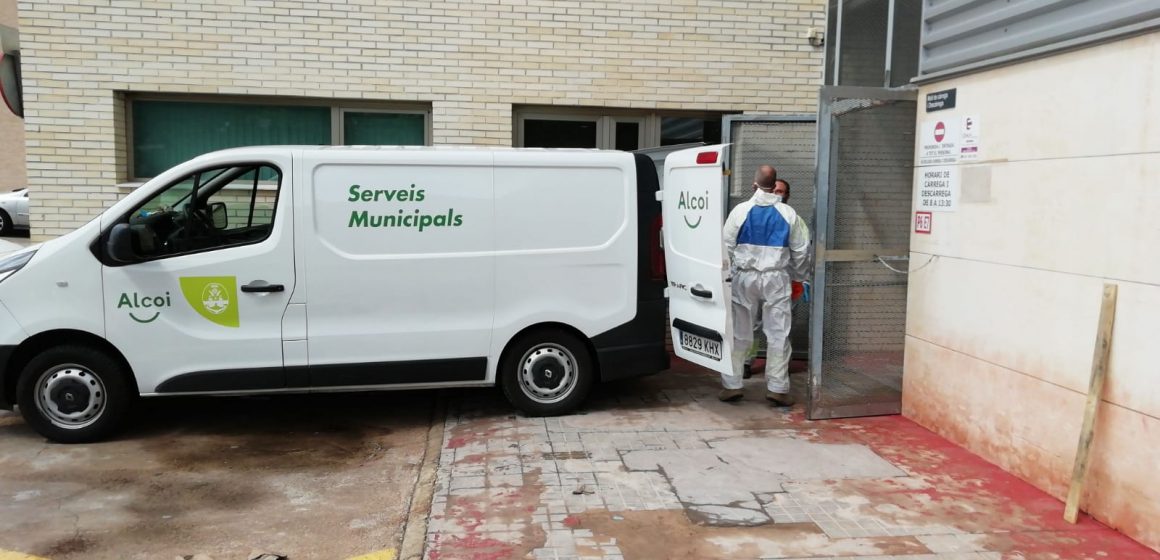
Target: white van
[{"x": 306, "y": 269}]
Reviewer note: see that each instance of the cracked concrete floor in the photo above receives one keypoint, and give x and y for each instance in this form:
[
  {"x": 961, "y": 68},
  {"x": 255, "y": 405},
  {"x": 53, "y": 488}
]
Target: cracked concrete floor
[
  {"x": 323, "y": 476},
  {"x": 658, "y": 468}
]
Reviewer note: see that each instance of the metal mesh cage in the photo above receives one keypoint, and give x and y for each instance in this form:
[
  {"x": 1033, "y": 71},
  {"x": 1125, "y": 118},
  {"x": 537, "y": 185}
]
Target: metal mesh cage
[
  {"x": 870, "y": 206},
  {"x": 870, "y": 158},
  {"x": 789, "y": 146},
  {"x": 863, "y": 335}
]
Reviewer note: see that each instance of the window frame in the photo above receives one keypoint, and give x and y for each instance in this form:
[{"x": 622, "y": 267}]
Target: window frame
[
  {"x": 606, "y": 119},
  {"x": 125, "y": 216},
  {"x": 338, "y": 122},
  {"x": 337, "y": 108}
]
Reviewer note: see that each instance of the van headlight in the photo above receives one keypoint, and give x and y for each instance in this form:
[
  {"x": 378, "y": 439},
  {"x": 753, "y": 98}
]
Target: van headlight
[{"x": 12, "y": 263}]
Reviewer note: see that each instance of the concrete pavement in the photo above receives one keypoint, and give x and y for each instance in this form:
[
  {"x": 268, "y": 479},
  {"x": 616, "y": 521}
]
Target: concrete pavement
[
  {"x": 311, "y": 477},
  {"x": 660, "y": 469},
  {"x": 650, "y": 469}
]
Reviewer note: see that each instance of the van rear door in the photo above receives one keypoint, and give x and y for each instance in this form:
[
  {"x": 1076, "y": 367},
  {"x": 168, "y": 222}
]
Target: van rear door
[{"x": 693, "y": 209}]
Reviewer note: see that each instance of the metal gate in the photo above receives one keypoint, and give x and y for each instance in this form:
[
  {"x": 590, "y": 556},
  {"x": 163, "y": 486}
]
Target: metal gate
[
  {"x": 789, "y": 144},
  {"x": 862, "y": 228}
]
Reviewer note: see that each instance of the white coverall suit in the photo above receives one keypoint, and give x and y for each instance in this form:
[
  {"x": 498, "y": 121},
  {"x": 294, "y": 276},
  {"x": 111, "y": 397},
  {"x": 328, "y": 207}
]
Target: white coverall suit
[{"x": 768, "y": 247}]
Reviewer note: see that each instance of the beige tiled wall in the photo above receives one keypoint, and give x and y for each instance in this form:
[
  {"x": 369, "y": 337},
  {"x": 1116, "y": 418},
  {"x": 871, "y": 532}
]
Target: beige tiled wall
[{"x": 471, "y": 60}]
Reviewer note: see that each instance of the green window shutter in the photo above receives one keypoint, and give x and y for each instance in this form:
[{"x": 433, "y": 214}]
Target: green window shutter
[
  {"x": 166, "y": 133},
  {"x": 383, "y": 129}
]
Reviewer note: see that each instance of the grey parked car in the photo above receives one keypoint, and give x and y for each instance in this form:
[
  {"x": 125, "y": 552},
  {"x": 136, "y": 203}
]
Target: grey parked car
[{"x": 13, "y": 211}]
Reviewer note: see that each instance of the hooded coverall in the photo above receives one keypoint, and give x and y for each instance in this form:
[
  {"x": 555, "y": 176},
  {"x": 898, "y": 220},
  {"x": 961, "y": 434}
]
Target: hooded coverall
[{"x": 768, "y": 247}]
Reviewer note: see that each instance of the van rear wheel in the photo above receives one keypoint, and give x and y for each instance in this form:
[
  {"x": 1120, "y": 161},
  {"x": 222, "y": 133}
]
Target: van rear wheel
[
  {"x": 73, "y": 394},
  {"x": 547, "y": 373}
]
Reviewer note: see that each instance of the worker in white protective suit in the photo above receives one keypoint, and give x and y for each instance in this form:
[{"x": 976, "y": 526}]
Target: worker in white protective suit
[{"x": 768, "y": 248}]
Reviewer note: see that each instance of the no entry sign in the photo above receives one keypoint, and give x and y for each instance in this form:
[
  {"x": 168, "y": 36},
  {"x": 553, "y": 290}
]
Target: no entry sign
[{"x": 939, "y": 142}]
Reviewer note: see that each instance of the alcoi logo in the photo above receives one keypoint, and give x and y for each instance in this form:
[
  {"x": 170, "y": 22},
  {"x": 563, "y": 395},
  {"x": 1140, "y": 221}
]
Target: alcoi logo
[
  {"x": 690, "y": 201},
  {"x": 213, "y": 297}
]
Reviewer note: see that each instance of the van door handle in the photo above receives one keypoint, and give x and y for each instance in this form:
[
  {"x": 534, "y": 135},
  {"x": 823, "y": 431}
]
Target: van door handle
[
  {"x": 253, "y": 287},
  {"x": 701, "y": 292}
]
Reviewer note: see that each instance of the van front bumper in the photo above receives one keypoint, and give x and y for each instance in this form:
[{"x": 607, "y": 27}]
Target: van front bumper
[
  {"x": 6, "y": 400},
  {"x": 11, "y": 335}
]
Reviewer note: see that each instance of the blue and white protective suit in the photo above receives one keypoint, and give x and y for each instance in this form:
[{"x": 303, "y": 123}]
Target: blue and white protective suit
[{"x": 768, "y": 247}]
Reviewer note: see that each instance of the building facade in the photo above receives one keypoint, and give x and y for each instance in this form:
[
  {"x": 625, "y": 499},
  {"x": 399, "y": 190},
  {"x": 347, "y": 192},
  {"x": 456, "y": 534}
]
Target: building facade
[
  {"x": 115, "y": 92},
  {"x": 1056, "y": 197}
]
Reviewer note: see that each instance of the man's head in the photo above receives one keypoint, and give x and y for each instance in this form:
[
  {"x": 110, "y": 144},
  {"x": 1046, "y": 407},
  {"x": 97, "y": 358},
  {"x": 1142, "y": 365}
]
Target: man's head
[
  {"x": 764, "y": 178},
  {"x": 781, "y": 188}
]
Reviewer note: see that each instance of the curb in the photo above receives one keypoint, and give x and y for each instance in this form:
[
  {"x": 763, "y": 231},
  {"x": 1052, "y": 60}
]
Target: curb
[{"x": 418, "y": 512}]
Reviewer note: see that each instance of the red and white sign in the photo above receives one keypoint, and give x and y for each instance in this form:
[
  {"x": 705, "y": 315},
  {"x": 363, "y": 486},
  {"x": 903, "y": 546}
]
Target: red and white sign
[
  {"x": 940, "y": 142},
  {"x": 922, "y": 222}
]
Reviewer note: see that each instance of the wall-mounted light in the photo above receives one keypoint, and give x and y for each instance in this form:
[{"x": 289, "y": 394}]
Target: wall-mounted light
[{"x": 816, "y": 37}]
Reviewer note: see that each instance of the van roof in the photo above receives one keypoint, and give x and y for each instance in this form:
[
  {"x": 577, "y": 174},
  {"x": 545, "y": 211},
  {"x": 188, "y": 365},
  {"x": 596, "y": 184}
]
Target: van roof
[{"x": 440, "y": 148}]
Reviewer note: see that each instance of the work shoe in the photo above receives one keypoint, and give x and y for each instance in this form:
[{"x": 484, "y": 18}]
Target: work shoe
[
  {"x": 779, "y": 399},
  {"x": 730, "y": 395}
]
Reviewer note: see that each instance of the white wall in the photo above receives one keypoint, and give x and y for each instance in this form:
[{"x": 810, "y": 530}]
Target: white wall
[{"x": 1001, "y": 324}]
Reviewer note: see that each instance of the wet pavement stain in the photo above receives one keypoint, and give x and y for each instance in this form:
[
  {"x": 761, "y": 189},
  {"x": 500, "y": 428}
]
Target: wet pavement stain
[{"x": 319, "y": 476}]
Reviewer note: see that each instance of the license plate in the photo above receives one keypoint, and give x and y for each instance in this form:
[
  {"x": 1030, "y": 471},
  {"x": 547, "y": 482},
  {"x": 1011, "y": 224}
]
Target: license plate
[{"x": 701, "y": 345}]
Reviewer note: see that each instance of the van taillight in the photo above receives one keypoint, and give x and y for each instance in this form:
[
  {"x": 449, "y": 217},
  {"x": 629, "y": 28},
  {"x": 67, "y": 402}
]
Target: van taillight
[
  {"x": 657, "y": 255},
  {"x": 706, "y": 157}
]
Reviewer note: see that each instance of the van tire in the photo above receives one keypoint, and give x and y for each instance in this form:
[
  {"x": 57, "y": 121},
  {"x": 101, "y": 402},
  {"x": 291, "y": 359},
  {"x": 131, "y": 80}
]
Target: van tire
[
  {"x": 530, "y": 371},
  {"x": 93, "y": 383}
]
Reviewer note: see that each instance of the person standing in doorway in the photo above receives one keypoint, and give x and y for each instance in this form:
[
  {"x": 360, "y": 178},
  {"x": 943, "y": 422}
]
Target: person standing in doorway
[
  {"x": 780, "y": 188},
  {"x": 767, "y": 244}
]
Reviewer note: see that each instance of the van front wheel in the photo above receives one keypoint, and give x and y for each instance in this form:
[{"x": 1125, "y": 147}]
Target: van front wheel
[
  {"x": 73, "y": 394},
  {"x": 547, "y": 373}
]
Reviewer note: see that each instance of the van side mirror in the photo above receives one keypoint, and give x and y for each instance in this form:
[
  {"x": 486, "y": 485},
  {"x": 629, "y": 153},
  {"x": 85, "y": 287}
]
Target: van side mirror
[
  {"x": 119, "y": 247},
  {"x": 219, "y": 215}
]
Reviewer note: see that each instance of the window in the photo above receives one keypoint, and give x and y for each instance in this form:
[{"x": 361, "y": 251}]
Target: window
[
  {"x": 683, "y": 130},
  {"x": 166, "y": 132},
  {"x": 364, "y": 128},
  {"x": 553, "y": 133},
  {"x": 627, "y": 136},
  {"x": 872, "y": 44},
  {"x": 209, "y": 209},
  {"x": 612, "y": 129}
]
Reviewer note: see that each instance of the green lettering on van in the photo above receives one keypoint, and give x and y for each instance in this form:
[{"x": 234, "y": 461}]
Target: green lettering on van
[
  {"x": 417, "y": 220},
  {"x": 136, "y": 301}
]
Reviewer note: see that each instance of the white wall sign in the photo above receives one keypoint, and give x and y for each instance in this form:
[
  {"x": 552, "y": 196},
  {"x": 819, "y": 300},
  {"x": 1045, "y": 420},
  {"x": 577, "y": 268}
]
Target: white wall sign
[
  {"x": 939, "y": 142},
  {"x": 970, "y": 147},
  {"x": 938, "y": 189}
]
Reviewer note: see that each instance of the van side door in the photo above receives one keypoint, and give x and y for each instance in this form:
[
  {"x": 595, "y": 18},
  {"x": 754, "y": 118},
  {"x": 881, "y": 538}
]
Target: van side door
[
  {"x": 398, "y": 254},
  {"x": 198, "y": 307}
]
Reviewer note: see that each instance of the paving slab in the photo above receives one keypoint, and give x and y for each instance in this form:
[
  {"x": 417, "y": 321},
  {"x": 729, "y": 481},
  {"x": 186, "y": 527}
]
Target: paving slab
[{"x": 658, "y": 468}]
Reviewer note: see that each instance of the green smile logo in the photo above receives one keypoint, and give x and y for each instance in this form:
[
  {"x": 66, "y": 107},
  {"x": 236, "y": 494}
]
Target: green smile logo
[
  {"x": 137, "y": 303},
  {"x": 156, "y": 314},
  {"x": 689, "y": 201},
  {"x": 213, "y": 297}
]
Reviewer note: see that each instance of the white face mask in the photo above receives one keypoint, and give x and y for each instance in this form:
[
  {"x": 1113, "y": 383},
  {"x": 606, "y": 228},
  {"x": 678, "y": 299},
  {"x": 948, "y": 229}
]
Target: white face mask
[{"x": 766, "y": 198}]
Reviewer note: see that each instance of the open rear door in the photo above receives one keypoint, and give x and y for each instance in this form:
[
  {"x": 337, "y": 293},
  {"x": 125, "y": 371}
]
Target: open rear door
[{"x": 693, "y": 206}]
